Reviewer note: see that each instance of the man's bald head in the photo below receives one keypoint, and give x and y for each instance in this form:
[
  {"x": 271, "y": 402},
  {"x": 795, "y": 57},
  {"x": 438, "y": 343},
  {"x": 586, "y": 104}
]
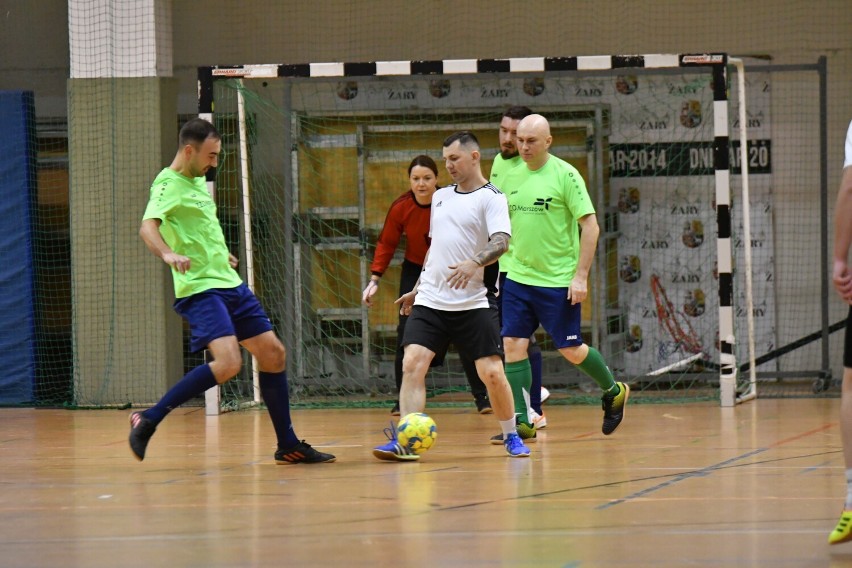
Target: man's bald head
[
  {"x": 535, "y": 123},
  {"x": 534, "y": 140}
]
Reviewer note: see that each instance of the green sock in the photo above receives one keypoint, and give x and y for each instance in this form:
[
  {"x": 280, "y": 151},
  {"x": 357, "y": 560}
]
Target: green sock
[
  {"x": 519, "y": 374},
  {"x": 595, "y": 366}
]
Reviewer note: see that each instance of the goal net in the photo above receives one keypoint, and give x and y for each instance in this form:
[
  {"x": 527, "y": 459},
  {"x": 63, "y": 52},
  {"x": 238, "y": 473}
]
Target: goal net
[{"x": 327, "y": 150}]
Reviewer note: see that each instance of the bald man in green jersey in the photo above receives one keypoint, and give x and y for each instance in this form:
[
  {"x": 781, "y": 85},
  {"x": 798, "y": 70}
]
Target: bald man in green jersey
[
  {"x": 554, "y": 236},
  {"x": 527, "y": 396}
]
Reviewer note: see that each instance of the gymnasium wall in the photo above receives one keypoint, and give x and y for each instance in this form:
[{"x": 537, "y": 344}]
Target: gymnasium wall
[{"x": 34, "y": 43}]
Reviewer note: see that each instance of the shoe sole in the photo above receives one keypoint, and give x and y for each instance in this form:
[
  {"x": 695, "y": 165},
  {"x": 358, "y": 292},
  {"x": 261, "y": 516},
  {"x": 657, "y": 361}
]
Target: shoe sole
[
  {"x": 488, "y": 410},
  {"x": 390, "y": 456},
  {"x": 518, "y": 455},
  {"x": 284, "y": 462},
  {"x": 499, "y": 441},
  {"x": 846, "y": 538}
]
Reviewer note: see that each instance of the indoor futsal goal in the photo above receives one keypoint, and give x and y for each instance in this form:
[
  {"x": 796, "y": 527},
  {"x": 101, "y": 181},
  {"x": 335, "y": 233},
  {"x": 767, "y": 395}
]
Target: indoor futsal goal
[{"x": 314, "y": 154}]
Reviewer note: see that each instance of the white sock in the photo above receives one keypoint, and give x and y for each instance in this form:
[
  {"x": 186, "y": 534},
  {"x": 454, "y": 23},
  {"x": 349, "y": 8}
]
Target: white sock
[
  {"x": 508, "y": 427},
  {"x": 848, "y": 506}
]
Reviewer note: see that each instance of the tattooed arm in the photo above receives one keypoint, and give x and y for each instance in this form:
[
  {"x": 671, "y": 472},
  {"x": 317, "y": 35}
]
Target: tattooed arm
[
  {"x": 464, "y": 271},
  {"x": 497, "y": 245}
]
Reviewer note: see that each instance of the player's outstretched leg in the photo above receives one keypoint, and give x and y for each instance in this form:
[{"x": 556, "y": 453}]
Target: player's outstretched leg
[{"x": 143, "y": 424}]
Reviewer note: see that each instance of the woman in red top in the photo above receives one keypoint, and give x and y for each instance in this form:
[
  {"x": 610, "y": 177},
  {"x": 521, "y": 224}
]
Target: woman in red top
[{"x": 409, "y": 215}]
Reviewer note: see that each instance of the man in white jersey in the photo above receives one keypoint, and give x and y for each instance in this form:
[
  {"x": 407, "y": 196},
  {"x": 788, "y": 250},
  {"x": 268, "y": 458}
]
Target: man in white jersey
[
  {"x": 551, "y": 258},
  {"x": 842, "y": 277},
  {"x": 469, "y": 230}
]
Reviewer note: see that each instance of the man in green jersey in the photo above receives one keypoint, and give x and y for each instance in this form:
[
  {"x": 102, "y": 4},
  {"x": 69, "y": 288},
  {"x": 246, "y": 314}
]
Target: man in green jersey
[
  {"x": 554, "y": 236},
  {"x": 181, "y": 228},
  {"x": 508, "y": 158},
  {"x": 528, "y": 397}
]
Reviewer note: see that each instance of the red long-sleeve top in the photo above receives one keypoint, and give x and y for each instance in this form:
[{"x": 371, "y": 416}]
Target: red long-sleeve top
[{"x": 408, "y": 217}]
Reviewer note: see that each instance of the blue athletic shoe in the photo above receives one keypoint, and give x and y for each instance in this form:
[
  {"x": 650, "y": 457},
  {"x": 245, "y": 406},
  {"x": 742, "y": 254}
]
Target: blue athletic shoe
[
  {"x": 515, "y": 447},
  {"x": 393, "y": 451}
]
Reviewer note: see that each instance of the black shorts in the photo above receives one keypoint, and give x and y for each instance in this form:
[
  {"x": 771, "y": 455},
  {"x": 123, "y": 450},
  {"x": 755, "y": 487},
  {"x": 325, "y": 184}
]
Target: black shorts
[
  {"x": 476, "y": 332},
  {"x": 847, "y": 346}
]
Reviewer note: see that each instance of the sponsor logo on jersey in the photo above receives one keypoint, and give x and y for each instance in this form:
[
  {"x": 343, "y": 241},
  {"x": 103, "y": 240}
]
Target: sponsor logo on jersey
[{"x": 543, "y": 202}]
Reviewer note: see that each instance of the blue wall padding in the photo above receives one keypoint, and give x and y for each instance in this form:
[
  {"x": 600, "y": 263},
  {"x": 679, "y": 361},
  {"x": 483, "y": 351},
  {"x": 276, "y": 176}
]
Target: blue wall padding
[{"x": 17, "y": 198}]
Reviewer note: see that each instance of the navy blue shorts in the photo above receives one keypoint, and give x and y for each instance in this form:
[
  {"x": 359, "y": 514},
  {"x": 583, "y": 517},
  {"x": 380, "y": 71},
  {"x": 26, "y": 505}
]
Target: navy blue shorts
[
  {"x": 221, "y": 312},
  {"x": 525, "y": 307}
]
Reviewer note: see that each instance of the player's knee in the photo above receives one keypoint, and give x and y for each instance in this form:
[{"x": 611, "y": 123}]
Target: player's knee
[
  {"x": 491, "y": 377},
  {"x": 414, "y": 365},
  {"x": 274, "y": 358},
  {"x": 574, "y": 355},
  {"x": 491, "y": 373},
  {"x": 227, "y": 366}
]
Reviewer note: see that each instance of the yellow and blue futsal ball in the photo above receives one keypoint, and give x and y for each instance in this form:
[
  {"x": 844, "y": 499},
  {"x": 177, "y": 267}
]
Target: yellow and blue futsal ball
[{"x": 417, "y": 432}]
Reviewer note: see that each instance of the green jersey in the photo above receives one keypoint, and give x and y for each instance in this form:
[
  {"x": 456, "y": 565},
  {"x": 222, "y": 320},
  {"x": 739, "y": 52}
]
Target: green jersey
[
  {"x": 499, "y": 168},
  {"x": 544, "y": 206},
  {"x": 190, "y": 228}
]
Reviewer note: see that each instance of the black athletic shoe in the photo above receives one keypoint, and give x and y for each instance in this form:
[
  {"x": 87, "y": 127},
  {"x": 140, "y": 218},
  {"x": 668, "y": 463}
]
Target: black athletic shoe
[
  {"x": 613, "y": 407},
  {"x": 395, "y": 410},
  {"x": 302, "y": 453},
  {"x": 141, "y": 430},
  {"x": 483, "y": 405}
]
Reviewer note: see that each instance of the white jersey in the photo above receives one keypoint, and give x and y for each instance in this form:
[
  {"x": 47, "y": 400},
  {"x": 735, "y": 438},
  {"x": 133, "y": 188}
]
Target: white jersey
[
  {"x": 848, "y": 161},
  {"x": 460, "y": 227}
]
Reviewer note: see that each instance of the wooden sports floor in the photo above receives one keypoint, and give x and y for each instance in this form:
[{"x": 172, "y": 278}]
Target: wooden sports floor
[{"x": 676, "y": 485}]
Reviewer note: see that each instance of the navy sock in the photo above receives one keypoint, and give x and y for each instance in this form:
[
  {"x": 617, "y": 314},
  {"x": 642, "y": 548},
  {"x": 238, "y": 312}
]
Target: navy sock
[
  {"x": 274, "y": 390},
  {"x": 534, "y": 354},
  {"x": 191, "y": 385}
]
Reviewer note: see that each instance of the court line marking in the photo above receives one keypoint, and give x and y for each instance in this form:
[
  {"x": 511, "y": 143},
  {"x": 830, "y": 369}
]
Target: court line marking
[{"x": 704, "y": 471}]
